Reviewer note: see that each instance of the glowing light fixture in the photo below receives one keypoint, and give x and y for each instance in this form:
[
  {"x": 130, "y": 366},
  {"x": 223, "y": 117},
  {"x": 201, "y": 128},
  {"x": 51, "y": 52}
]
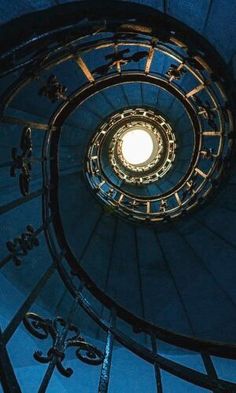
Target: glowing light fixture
[{"x": 137, "y": 146}]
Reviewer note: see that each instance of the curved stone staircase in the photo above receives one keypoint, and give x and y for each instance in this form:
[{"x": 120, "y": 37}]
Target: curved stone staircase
[{"x": 179, "y": 275}]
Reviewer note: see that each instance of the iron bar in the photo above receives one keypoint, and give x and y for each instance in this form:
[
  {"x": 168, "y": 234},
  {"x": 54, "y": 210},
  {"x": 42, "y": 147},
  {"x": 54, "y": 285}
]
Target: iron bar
[
  {"x": 209, "y": 366},
  {"x": 106, "y": 365},
  {"x": 177, "y": 197},
  {"x": 8, "y": 378},
  {"x": 157, "y": 368},
  {"x": 210, "y": 369},
  {"x": 183, "y": 341},
  {"x": 196, "y": 90},
  {"x": 84, "y": 69},
  {"x": 201, "y": 173},
  {"x": 170, "y": 366},
  {"x": 150, "y": 58},
  {"x": 215, "y": 348},
  {"x": 26, "y": 123},
  {"x": 12, "y": 205},
  {"x": 5, "y": 260},
  {"x": 16, "y": 320},
  {"x": 47, "y": 376},
  {"x": 174, "y": 368},
  {"x": 212, "y": 133}
]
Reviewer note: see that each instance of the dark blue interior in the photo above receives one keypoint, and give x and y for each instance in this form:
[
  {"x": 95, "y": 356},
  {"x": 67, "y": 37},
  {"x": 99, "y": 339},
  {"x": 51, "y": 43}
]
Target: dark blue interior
[{"x": 178, "y": 275}]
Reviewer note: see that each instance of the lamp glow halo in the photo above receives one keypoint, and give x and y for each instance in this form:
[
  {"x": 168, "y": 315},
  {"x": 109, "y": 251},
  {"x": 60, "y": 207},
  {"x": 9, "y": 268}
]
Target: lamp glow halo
[
  {"x": 154, "y": 129},
  {"x": 137, "y": 146}
]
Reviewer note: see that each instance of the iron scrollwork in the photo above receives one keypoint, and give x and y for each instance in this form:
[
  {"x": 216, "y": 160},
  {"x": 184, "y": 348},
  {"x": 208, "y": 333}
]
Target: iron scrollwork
[
  {"x": 175, "y": 72},
  {"x": 22, "y": 244},
  {"x": 53, "y": 90},
  {"x": 22, "y": 161},
  {"x": 208, "y": 113},
  {"x": 190, "y": 190},
  {"x": 208, "y": 153},
  {"x": 63, "y": 335},
  {"x": 117, "y": 60}
]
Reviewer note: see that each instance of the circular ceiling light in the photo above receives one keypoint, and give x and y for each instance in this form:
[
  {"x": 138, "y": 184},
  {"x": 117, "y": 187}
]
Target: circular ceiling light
[{"x": 137, "y": 146}]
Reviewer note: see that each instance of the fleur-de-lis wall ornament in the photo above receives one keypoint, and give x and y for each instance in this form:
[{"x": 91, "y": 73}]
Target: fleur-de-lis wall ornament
[
  {"x": 53, "y": 90},
  {"x": 64, "y": 334},
  {"x": 22, "y": 244},
  {"x": 175, "y": 72},
  {"x": 207, "y": 112},
  {"x": 117, "y": 59},
  {"x": 22, "y": 162},
  {"x": 208, "y": 153},
  {"x": 190, "y": 190}
]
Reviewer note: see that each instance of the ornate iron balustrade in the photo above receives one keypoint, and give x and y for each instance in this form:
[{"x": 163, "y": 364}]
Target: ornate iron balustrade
[
  {"x": 216, "y": 117},
  {"x": 64, "y": 334}
]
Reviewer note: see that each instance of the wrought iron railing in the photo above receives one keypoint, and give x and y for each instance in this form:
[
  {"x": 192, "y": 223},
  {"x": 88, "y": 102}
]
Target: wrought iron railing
[{"x": 211, "y": 121}]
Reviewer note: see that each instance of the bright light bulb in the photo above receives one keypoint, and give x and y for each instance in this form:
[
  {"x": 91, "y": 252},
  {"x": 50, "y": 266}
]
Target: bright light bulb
[{"x": 137, "y": 146}]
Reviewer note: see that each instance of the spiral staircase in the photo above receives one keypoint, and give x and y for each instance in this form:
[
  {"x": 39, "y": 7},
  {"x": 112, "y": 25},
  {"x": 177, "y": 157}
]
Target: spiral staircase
[{"x": 117, "y": 276}]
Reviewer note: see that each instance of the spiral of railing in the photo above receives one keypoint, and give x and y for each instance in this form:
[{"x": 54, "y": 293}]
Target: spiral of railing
[{"x": 132, "y": 42}]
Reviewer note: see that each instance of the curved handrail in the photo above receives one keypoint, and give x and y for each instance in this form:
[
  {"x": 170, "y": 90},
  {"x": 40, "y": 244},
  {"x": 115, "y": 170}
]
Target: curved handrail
[
  {"x": 213, "y": 348},
  {"x": 188, "y": 342},
  {"x": 183, "y": 372}
]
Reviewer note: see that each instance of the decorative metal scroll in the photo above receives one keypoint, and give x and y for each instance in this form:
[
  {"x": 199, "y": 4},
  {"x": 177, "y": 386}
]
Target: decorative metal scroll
[
  {"x": 53, "y": 90},
  {"x": 22, "y": 244},
  {"x": 176, "y": 72},
  {"x": 207, "y": 112},
  {"x": 208, "y": 153},
  {"x": 117, "y": 60},
  {"x": 22, "y": 162},
  {"x": 64, "y": 335},
  {"x": 189, "y": 191}
]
